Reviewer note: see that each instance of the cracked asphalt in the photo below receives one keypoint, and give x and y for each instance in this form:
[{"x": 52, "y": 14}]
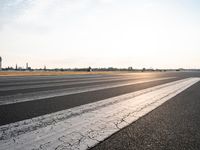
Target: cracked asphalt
[
  {"x": 173, "y": 126},
  {"x": 24, "y": 110}
]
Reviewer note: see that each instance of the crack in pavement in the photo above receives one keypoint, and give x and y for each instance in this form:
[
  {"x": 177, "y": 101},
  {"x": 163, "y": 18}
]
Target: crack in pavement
[{"x": 90, "y": 127}]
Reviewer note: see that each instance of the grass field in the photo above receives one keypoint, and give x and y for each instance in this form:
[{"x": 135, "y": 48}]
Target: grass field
[{"x": 50, "y": 73}]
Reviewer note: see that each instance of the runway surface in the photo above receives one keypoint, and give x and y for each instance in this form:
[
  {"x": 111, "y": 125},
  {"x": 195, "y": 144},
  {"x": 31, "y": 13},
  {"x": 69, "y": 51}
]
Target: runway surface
[
  {"x": 34, "y": 105},
  {"x": 173, "y": 126}
]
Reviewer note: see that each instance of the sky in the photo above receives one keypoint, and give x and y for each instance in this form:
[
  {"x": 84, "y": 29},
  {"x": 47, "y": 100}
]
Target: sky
[{"x": 100, "y": 33}]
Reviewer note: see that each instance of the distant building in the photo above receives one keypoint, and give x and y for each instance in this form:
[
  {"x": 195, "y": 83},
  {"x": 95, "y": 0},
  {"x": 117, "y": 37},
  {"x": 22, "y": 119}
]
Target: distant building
[
  {"x": 26, "y": 66},
  {"x": 20, "y": 68},
  {"x": 16, "y": 68},
  {"x": 130, "y": 68},
  {"x": 0, "y": 63}
]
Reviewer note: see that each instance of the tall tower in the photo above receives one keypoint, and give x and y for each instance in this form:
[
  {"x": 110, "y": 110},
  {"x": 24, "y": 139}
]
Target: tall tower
[
  {"x": 0, "y": 63},
  {"x": 26, "y": 66},
  {"x": 16, "y": 67}
]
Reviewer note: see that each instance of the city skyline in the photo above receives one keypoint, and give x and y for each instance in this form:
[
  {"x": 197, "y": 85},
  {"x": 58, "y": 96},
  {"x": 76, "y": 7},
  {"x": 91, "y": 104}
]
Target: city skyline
[
  {"x": 26, "y": 66},
  {"x": 100, "y": 33}
]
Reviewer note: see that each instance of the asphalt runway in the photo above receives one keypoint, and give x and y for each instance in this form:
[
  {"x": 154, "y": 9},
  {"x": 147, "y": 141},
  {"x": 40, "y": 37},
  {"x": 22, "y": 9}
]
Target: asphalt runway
[
  {"x": 14, "y": 86},
  {"x": 29, "y": 109},
  {"x": 173, "y": 126},
  {"x": 32, "y": 96}
]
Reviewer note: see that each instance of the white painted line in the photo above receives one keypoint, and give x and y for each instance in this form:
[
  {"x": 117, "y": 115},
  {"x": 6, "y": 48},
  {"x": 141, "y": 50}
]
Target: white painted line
[
  {"x": 62, "y": 92},
  {"x": 60, "y": 83},
  {"x": 84, "y": 126},
  {"x": 67, "y": 80}
]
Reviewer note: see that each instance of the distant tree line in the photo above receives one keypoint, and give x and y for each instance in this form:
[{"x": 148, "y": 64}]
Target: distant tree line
[{"x": 89, "y": 69}]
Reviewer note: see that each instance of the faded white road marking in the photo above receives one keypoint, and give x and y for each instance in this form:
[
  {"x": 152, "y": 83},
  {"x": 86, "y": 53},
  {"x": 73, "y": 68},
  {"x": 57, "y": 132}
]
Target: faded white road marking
[
  {"x": 67, "y": 80},
  {"x": 84, "y": 126},
  {"x": 62, "y": 92},
  {"x": 58, "y": 83}
]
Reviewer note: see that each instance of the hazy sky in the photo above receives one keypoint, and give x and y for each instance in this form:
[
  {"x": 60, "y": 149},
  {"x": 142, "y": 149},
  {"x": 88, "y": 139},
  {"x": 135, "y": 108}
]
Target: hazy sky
[{"x": 100, "y": 33}]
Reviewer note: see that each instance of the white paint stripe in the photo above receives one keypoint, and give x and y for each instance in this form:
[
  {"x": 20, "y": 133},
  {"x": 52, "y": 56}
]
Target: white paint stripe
[
  {"x": 72, "y": 78},
  {"x": 60, "y": 83},
  {"x": 55, "y": 76},
  {"x": 93, "y": 107},
  {"x": 67, "y": 80},
  {"x": 62, "y": 92},
  {"x": 84, "y": 126}
]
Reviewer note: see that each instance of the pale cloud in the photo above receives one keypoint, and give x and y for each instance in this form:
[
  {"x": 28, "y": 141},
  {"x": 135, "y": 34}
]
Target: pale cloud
[{"x": 99, "y": 32}]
